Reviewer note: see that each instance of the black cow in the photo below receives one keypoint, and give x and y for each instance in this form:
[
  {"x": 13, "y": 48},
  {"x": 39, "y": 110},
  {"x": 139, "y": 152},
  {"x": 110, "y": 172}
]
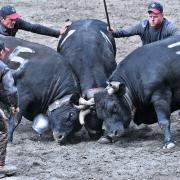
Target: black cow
[
  {"x": 46, "y": 84},
  {"x": 145, "y": 87},
  {"x": 90, "y": 50}
]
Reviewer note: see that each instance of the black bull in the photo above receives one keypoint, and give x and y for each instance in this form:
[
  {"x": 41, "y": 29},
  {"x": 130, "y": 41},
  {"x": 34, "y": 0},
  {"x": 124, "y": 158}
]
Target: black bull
[
  {"x": 44, "y": 80},
  {"x": 90, "y": 50},
  {"x": 144, "y": 87}
]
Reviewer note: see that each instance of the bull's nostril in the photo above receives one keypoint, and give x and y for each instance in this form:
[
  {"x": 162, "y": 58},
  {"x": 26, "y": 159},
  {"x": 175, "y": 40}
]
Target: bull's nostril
[
  {"x": 116, "y": 133},
  {"x": 61, "y": 136}
]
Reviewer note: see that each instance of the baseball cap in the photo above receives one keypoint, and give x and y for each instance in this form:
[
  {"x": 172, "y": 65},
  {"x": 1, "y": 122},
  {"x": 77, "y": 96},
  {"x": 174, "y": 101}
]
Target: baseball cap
[
  {"x": 155, "y": 7},
  {"x": 2, "y": 47},
  {"x": 9, "y": 11}
]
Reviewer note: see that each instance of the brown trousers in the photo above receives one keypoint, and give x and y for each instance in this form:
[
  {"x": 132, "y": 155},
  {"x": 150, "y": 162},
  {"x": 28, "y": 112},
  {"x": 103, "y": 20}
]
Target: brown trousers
[{"x": 3, "y": 138}]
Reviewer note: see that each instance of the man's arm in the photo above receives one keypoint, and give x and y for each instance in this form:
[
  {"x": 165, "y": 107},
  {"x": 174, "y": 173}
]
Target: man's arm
[
  {"x": 172, "y": 30},
  {"x": 136, "y": 29},
  {"x": 36, "y": 28}
]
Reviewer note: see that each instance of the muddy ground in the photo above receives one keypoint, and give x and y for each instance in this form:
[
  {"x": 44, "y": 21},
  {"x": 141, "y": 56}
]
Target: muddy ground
[{"x": 139, "y": 155}]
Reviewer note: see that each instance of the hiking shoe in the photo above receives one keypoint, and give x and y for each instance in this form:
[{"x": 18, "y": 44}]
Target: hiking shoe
[{"x": 8, "y": 170}]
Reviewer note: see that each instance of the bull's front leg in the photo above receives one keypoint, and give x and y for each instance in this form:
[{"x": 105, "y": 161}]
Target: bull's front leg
[{"x": 162, "y": 102}]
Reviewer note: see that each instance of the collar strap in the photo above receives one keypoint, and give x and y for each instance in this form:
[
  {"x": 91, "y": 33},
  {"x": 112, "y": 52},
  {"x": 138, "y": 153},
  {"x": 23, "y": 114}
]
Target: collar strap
[
  {"x": 129, "y": 102},
  {"x": 58, "y": 103}
]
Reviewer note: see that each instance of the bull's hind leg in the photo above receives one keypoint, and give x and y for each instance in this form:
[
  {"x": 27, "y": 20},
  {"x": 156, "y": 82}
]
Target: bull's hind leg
[
  {"x": 12, "y": 125},
  {"x": 161, "y": 101}
]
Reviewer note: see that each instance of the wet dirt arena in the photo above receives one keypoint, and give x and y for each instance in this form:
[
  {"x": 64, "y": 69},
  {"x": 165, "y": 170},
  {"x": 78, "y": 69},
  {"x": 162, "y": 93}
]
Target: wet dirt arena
[{"x": 139, "y": 154}]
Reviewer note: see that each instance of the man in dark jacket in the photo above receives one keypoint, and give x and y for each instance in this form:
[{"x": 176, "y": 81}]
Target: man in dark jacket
[
  {"x": 155, "y": 28},
  {"x": 9, "y": 95},
  {"x": 10, "y": 23}
]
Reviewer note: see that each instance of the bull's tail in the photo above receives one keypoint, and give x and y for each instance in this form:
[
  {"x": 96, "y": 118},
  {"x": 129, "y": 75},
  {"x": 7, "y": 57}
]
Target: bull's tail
[{"x": 12, "y": 125}]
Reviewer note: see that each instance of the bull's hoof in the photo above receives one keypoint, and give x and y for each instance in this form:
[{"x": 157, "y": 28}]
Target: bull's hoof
[
  {"x": 104, "y": 140},
  {"x": 169, "y": 145}
]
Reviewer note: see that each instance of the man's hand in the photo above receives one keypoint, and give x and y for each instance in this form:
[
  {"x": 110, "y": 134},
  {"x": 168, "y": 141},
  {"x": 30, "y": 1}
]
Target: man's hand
[
  {"x": 15, "y": 110},
  {"x": 110, "y": 29},
  {"x": 65, "y": 26}
]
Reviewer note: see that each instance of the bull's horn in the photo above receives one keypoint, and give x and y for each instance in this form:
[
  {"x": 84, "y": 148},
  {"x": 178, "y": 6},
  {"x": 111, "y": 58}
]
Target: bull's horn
[
  {"x": 80, "y": 107},
  {"x": 2, "y": 114},
  {"x": 82, "y": 115},
  {"x": 55, "y": 136},
  {"x": 103, "y": 127},
  {"x": 112, "y": 87},
  {"x": 110, "y": 90},
  {"x": 115, "y": 84},
  {"x": 90, "y": 102}
]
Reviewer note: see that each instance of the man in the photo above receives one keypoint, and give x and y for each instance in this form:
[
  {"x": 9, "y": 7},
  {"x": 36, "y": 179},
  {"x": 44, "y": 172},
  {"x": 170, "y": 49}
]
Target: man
[
  {"x": 10, "y": 23},
  {"x": 155, "y": 28},
  {"x": 8, "y": 95}
]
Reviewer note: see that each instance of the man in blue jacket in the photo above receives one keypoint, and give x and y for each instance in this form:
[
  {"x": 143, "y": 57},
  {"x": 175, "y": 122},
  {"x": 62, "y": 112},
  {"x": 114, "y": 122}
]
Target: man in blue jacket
[
  {"x": 155, "y": 28},
  {"x": 9, "y": 96}
]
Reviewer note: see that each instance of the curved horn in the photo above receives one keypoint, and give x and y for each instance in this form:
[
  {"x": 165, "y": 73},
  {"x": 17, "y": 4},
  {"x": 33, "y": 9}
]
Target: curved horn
[
  {"x": 2, "y": 114},
  {"x": 82, "y": 115},
  {"x": 115, "y": 84},
  {"x": 110, "y": 90},
  {"x": 55, "y": 136},
  {"x": 90, "y": 102},
  {"x": 80, "y": 107},
  {"x": 112, "y": 87}
]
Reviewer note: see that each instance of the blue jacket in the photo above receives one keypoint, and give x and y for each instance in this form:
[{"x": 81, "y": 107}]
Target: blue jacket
[{"x": 147, "y": 33}]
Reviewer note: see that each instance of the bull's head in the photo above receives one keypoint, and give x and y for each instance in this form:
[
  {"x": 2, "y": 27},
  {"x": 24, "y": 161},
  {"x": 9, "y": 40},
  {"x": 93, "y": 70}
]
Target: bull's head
[
  {"x": 114, "y": 107},
  {"x": 88, "y": 117},
  {"x": 64, "y": 118}
]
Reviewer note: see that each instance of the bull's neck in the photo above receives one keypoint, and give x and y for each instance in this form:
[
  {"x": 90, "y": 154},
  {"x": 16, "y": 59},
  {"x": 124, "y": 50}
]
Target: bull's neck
[
  {"x": 57, "y": 90},
  {"x": 130, "y": 90}
]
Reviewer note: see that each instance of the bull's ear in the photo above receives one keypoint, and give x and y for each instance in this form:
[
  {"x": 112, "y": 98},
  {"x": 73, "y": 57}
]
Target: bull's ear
[
  {"x": 75, "y": 98},
  {"x": 122, "y": 89}
]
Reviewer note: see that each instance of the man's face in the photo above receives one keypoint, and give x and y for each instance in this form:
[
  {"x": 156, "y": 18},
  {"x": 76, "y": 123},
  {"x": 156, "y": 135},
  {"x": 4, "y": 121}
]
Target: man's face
[
  {"x": 8, "y": 22},
  {"x": 155, "y": 19},
  {"x": 2, "y": 54}
]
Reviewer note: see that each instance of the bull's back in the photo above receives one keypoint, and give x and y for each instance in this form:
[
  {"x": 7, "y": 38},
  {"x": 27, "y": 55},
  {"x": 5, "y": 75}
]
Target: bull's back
[
  {"x": 154, "y": 62},
  {"x": 90, "y": 50}
]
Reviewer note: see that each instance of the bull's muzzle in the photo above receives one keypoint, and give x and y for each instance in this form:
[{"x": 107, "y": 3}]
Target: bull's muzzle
[{"x": 60, "y": 138}]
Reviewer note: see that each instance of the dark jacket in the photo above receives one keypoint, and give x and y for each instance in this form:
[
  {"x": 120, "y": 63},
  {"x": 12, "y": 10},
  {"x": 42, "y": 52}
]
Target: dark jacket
[
  {"x": 148, "y": 34},
  {"x": 23, "y": 25},
  {"x": 8, "y": 90}
]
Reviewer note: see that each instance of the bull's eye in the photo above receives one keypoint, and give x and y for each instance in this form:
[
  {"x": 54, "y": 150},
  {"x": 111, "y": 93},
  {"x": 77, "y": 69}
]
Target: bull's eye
[{"x": 71, "y": 114}]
